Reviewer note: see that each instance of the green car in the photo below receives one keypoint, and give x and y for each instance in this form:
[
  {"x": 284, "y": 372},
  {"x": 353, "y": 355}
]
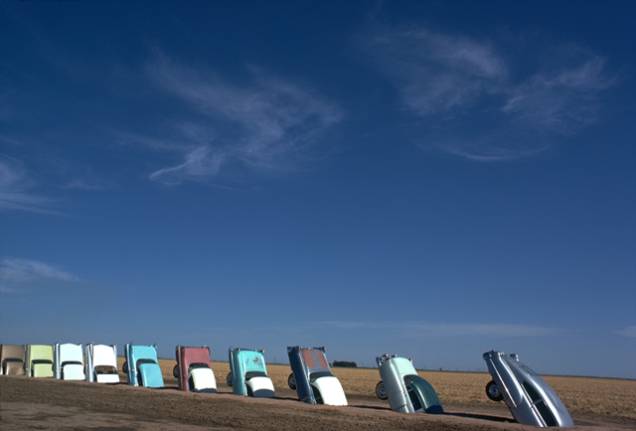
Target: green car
[{"x": 39, "y": 361}]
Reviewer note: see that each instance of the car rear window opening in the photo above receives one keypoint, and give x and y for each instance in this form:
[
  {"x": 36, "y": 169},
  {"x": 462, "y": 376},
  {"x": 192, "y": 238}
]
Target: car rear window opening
[{"x": 537, "y": 400}]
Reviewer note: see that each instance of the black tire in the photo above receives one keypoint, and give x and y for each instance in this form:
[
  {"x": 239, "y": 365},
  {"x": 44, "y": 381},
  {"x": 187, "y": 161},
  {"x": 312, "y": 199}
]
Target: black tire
[
  {"x": 492, "y": 392},
  {"x": 380, "y": 391},
  {"x": 176, "y": 371},
  {"x": 125, "y": 367},
  {"x": 228, "y": 379},
  {"x": 291, "y": 381}
]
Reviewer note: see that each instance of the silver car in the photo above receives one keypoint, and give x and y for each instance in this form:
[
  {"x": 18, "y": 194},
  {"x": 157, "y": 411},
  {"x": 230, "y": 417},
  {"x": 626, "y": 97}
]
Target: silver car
[
  {"x": 406, "y": 391},
  {"x": 530, "y": 399}
]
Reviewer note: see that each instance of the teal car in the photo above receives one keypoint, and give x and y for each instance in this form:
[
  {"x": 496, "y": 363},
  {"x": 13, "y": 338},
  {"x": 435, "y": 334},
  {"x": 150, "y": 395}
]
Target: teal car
[
  {"x": 142, "y": 366},
  {"x": 248, "y": 373}
]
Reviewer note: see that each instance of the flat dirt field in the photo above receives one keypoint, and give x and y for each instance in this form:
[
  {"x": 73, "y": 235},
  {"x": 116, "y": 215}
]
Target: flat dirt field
[{"x": 27, "y": 404}]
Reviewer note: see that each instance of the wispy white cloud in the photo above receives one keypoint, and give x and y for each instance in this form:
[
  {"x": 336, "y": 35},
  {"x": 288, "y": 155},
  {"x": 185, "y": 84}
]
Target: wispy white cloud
[
  {"x": 448, "y": 329},
  {"x": 87, "y": 184},
  {"x": 200, "y": 163},
  {"x": 266, "y": 123},
  {"x": 561, "y": 101},
  {"x": 628, "y": 331},
  {"x": 437, "y": 72},
  {"x": 15, "y": 186},
  {"x": 171, "y": 143},
  {"x": 475, "y": 107},
  {"x": 10, "y": 141},
  {"x": 26, "y": 270},
  {"x": 6, "y": 290},
  {"x": 498, "y": 145},
  {"x": 16, "y": 273}
]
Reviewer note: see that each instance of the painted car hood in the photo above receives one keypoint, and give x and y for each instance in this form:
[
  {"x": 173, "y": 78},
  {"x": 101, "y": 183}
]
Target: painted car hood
[
  {"x": 203, "y": 379},
  {"x": 12, "y": 359},
  {"x": 261, "y": 387},
  {"x": 104, "y": 355},
  {"x": 331, "y": 391},
  {"x": 73, "y": 372},
  {"x": 151, "y": 375}
]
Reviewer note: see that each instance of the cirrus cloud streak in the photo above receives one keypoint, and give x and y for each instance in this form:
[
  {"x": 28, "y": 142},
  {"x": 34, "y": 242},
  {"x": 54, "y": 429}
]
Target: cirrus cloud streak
[
  {"x": 265, "y": 123},
  {"x": 448, "y": 329},
  {"x": 16, "y": 273},
  {"x": 472, "y": 105}
]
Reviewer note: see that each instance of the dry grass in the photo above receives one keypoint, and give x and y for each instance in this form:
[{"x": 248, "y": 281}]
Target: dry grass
[{"x": 583, "y": 396}]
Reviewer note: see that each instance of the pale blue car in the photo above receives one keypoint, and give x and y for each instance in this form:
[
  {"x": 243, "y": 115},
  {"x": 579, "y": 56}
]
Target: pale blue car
[
  {"x": 248, "y": 373},
  {"x": 142, "y": 366}
]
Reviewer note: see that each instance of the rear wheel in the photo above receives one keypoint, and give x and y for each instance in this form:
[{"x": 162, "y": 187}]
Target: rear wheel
[
  {"x": 176, "y": 372},
  {"x": 125, "y": 367},
  {"x": 492, "y": 391},
  {"x": 228, "y": 379},
  {"x": 291, "y": 381},
  {"x": 380, "y": 391}
]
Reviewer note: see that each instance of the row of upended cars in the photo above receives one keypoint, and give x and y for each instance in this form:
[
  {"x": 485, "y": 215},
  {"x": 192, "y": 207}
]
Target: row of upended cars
[{"x": 530, "y": 399}]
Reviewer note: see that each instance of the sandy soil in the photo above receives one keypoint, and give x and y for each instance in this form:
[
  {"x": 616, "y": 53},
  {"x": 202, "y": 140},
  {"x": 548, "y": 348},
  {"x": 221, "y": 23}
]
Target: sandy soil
[
  {"x": 588, "y": 399},
  {"x": 50, "y": 404}
]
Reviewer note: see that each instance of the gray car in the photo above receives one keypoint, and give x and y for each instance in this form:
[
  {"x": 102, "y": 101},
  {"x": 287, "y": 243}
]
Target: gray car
[{"x": 530, "y": 399}]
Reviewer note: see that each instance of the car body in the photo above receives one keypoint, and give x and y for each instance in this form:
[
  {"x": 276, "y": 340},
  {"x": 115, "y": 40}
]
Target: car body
[
  {"x": 194, "y": 369},
  {"x": 12, "y": 359},
  {"x": 39, "y": 360},
  {"x": 142, "y": 366},
  {"x": 530, "y": 399},
  {"x": 69, "y": 362},
  {"x": 406, "y": 391},
  {"x": 312, "y": 377},
  {"x": 248, "y": 373},
  {"x": 101, "y": 363}
]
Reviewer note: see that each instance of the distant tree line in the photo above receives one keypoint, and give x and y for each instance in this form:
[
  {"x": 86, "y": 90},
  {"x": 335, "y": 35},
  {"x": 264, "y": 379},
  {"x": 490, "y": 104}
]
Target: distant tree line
[{"x": 344, "y": 364}]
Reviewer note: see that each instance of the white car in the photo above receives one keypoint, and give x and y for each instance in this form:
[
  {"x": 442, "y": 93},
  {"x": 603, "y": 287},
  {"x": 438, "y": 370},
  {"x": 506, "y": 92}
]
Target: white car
[
  {"x": 101, "y": 363},
  {"x": 69, "y": 362}
]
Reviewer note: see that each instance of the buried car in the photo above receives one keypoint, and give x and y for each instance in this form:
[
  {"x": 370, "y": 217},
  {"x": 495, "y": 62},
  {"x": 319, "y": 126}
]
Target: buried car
[
  {"x": 142, "y": 366},
  {"x": 194, "y": 370},
  {"x": 248, "y": 373},
  {"x": 530, "y": 399},
  {"x": 312, "y": 378},
  {"x": 69, "y": 362},
  {"x": 406, "y": 391},
  {"x": 101, "y": 363},
  {"x": 12, "y": 360},
  {"x": 39, "y": 360}
]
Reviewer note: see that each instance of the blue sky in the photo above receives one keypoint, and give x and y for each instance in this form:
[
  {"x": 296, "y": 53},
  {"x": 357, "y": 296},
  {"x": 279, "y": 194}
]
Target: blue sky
[{"x": 431, "y": 179}]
